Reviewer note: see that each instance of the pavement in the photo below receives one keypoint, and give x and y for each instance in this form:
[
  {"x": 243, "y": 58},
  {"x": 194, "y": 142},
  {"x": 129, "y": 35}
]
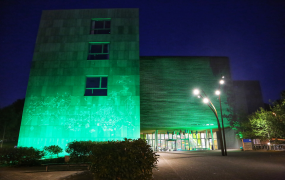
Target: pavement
[{"x": 180, "y": 165}]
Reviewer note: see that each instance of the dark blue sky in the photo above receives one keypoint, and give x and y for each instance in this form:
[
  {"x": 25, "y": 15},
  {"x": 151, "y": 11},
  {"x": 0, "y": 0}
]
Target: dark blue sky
[{"x": 250, "y": 32}]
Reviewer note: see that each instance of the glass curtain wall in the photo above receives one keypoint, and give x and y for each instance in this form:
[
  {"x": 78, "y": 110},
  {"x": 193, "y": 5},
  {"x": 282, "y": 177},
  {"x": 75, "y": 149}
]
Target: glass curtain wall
[{"x": 181, "y": 141}]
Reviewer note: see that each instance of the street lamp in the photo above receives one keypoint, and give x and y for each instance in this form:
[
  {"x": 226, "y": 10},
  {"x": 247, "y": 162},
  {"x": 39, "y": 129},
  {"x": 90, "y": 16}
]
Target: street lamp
[
  {"x": 207, "y": 101},
  {"x": 218, "y": 92}
]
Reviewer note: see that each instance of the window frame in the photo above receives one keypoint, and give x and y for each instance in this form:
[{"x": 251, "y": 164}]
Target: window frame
[
  {"x": 100, "y": 85},
  {"x": 102, "y": 50},
  {"x": 94, "y": 30}
]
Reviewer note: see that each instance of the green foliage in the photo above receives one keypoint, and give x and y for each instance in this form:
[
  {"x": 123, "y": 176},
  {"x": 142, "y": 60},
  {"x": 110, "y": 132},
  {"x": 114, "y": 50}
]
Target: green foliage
[
  {"x": 79, "y": 150},
  {"x": 268, "y": 124},
  {"x": 21, "y": 156},
  {"x": 128, "y": 159},
  {"x": 54, "y": 149}
]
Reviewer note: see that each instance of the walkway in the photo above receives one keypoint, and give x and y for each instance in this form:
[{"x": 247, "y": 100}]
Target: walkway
[{"x": 182, "y": 165}]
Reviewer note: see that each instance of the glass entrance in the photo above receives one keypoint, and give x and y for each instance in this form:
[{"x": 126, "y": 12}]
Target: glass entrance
[{"x": 171, "y": 145}]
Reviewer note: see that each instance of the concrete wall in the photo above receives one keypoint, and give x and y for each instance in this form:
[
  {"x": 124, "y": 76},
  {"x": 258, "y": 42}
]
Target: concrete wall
[
  {"x": 56, "y": 110},
  {"x": 248, "y": 96}
]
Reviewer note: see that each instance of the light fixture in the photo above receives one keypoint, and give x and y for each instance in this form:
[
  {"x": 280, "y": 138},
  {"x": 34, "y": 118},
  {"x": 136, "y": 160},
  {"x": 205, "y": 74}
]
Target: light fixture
[
  {"x": 222, "y": 81},
  {"x": 205, "y": 100},
  {"x": 196, "y": 91},
  {"x": 218, "y": 92}
]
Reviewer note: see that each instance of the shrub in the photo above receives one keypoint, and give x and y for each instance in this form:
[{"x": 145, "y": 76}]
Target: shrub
[
  {"x": 128, "y": 159},
  {"x": 54, "y": 149},
  {"x": 20, "y": 156},
  {"x": 79, "y": 150}
]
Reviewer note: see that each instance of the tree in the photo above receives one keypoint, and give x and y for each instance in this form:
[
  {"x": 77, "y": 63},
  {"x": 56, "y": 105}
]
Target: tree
[
  {"x": 10, "y": 120},
  {"x": 54, "y": 149},
  {"x": 268, "y": 124}
]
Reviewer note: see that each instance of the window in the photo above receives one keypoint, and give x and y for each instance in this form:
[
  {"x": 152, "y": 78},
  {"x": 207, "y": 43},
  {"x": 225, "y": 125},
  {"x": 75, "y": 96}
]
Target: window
[
  {"x": 96, "y": 86},
  {"x": 100, "y": 26},
  {"x": 98, "y": 51}
]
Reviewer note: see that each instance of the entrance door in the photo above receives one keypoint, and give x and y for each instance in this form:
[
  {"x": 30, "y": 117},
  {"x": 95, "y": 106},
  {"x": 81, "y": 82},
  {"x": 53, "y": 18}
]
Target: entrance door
[{"x": 171, "y": 145}]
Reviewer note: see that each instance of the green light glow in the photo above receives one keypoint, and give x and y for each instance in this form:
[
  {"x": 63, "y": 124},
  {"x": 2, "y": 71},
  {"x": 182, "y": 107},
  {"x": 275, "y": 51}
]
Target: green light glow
[
  {"x": 63, "y": 118},
  {"x": 56, "y": 111}
]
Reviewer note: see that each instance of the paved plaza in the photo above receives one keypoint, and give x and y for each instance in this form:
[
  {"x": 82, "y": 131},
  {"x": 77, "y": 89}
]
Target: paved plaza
[{"x": 181, "y": 165}]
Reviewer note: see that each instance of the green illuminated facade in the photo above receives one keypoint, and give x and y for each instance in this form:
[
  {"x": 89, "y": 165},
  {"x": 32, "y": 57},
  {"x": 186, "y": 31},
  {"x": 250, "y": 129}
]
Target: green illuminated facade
[
  {"x": 84, "y": 82},
  {"x": 171, "y": 116},
  {"x": 88, "y": 82}
]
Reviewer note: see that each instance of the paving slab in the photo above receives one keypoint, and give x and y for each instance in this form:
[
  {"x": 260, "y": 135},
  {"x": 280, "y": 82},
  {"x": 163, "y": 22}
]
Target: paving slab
[{"x": 180, "y": 165}]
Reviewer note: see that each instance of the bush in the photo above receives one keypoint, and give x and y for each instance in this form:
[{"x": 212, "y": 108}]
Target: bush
[
  {"x": 79, "y": 150},
  {"x": 54, "y": 149},
  {"x": 21, "y": 156},
  {"x": 128, "y": 159},
  {"x": 54, "y": 160}
]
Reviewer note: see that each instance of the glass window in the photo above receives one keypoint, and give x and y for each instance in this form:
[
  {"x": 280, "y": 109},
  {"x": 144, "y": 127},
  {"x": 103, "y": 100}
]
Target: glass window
[
  {"x": 202, "y": 135},
  {"x": 100, "y": 26},
  {"x": 162, "y": 143},
  {"x": 161, "y": 136},
  {"x": 209, "y": 135},
  {"x": 96, "y": 86},
  {"x": 199, "y": 142},
  {"x": 98, "y": 51},
  {"x": 215, "y": 135}
]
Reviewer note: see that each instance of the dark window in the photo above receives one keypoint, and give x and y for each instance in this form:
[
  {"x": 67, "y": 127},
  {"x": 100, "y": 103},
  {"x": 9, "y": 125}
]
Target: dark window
[
  {"x": 100, "y": 27},
  {"x": 98, "y": 51},
  {"x": 96, "y": 86}
]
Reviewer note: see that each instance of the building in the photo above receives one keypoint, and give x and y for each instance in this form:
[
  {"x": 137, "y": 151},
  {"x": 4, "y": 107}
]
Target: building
[
  {"x": 84, "y": 81},
  {"x": 248, "y": 96},
  {"x": 88, "y": 82}
]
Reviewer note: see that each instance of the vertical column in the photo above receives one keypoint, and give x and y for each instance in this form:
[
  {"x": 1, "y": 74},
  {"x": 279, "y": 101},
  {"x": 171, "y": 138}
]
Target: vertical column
[
  {"x": 207, "y": 142},
  {"x": 213, "y": 145},
  {"x": 156, "y": 140}
]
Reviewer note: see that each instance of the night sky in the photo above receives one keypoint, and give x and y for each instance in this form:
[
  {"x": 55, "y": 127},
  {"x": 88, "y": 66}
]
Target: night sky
[{"x": 250, "y": 32}]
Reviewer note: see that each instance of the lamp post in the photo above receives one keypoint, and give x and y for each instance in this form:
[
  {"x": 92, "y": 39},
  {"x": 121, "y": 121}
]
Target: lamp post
[
  {"x": 218, "y": 92},
  {"x": 207, "y": 101}
]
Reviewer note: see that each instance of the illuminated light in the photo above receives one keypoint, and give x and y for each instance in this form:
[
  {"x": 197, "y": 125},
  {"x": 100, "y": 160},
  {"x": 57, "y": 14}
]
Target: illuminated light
[
  {"x": 196, "y": 91},
  {"x": 218, "y": 92},
  {"x": 206, "y": 100},
  {"x": 223, "y": 77},
  {"x": 199, "y": 96},
  {"x": 268, "y": 143},
  {"x": 211, "y": 124},
  {"x": 222, "y": 81}
]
